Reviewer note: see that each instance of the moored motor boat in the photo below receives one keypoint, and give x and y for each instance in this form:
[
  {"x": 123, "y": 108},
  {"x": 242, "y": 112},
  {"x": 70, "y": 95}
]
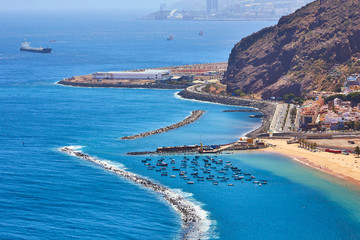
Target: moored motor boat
[{"x": 162, "y": 163}]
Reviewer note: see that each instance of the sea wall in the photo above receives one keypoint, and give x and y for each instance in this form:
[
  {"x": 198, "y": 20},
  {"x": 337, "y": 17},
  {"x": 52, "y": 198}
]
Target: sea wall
[
  {"x": 264, "y": 107},
  {"x": 195, "y": 115},
  {"x": 194, "y": 225},
  {"x": 109, "y": 85}
]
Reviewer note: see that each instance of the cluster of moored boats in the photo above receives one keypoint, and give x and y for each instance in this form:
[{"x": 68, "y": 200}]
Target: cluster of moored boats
[{"x": 204, "y": 169}]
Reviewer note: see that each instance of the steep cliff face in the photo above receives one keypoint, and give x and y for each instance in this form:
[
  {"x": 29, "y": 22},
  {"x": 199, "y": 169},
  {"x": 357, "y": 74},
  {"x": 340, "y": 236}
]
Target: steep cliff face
[{"x": 299, "y": 53}]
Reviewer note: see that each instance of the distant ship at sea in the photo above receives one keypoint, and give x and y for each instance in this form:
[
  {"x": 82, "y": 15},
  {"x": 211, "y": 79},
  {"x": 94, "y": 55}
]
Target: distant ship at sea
[
  {"x": 201, "y": 33},
  {"x": 25, "y": 46},
  {"x": 171, "y": 37}
]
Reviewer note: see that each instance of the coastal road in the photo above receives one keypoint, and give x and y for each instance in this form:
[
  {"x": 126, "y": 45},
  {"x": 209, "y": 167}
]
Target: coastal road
[
  {"x": 281, "y": 121},
  {"x": 279, "y": 118}
]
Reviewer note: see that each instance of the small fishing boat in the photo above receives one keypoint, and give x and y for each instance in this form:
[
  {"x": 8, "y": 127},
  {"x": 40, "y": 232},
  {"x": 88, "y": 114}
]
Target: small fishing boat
[{"x": 190, "y": 182}]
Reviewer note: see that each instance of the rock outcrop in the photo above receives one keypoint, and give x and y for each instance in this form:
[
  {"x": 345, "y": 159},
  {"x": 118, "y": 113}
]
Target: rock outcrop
[{"x": 310, "y": 49}]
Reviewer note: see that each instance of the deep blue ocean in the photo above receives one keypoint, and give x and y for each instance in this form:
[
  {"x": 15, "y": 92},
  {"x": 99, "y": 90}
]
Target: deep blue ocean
[{"x": 45, "y": 194}]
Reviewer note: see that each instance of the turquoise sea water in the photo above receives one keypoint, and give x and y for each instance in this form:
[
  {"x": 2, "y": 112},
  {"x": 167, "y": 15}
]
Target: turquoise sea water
[{"x": 45, "y": 194}]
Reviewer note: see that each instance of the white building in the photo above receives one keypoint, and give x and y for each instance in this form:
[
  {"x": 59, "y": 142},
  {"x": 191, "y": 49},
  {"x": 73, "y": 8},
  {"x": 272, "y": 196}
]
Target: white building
[
  {"x": 147, "y": 74},
  {"x": 337, "y": 102}
]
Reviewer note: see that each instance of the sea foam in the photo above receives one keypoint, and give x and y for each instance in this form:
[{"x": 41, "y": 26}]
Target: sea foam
[{"x": 195, "y": 220}]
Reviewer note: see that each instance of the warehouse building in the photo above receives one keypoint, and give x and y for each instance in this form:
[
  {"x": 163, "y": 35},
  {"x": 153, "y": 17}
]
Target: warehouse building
[{"x": 147, "y": 74}]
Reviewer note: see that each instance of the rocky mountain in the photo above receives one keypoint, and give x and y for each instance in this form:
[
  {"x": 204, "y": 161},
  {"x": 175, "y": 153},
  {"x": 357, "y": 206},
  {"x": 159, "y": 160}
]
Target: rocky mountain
[{"x": 311, "y": 49}]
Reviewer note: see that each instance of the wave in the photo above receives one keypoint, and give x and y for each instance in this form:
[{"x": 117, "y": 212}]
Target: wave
[{"x": 195, "y": 221}]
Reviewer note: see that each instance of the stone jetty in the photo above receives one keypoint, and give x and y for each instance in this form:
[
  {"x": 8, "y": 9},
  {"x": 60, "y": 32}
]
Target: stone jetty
[
  {"x": 195, "y": 115},
  {"x": 265, "y": 107},
  {"x": 242, "y": 110},
  {"x": 193, "y": 224}
]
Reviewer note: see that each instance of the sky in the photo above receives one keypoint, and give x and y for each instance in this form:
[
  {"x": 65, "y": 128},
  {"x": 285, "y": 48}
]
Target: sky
[{"x": 61, "y": 5}]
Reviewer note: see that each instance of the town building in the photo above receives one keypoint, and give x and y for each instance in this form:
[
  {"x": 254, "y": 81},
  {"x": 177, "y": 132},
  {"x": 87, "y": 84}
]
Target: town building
[
  {"x": 310, "y": 111},
  {"x": 212, "y": 6}
]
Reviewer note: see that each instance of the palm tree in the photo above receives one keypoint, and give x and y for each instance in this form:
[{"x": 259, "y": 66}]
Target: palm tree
[
  {"x": 357, "y": 151},
  {"x": 311, "y": 146}
]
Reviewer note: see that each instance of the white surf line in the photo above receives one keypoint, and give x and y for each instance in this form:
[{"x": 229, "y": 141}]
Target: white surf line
[{"x": 195, "y": 223}]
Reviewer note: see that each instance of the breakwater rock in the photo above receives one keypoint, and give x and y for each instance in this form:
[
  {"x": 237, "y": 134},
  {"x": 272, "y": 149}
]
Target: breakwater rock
[
  {"x": 120, "y": 85},
  {"x": 195, "y": 115},
  {"x": 194, "y": 221},
  {"x": 245, "y": 110},
  {"x": 264, "y": 107}
]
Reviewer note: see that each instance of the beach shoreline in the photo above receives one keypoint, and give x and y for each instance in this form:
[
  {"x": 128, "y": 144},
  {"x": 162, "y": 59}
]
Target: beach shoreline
[{"x": 344, "y": 167}]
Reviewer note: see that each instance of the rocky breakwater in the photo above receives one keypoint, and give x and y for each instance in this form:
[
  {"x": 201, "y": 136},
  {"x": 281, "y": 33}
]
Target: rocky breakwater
[
  {"x": 194, "y": 221},
  {"x": 72, "y": 83},
  {"x": 195, "y": 115},
  {"x": 267, "y": 108}
]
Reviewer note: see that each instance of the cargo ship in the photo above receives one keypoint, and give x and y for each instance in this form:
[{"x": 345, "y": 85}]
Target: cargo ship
[{"x": 25, "y": 46}]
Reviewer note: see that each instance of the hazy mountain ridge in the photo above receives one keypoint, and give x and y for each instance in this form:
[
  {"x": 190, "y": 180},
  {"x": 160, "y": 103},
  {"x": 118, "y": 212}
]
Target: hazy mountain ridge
[{"x": 299, "y": 53}]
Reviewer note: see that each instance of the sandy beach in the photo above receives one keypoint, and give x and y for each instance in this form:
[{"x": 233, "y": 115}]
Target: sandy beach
[{"x": 343, "y": 166}]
